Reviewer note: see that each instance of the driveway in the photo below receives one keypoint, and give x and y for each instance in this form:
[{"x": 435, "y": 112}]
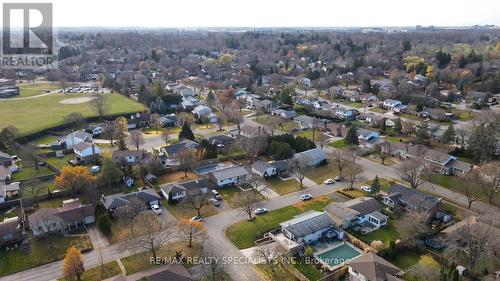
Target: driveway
[{"x": 97, "y": 238}]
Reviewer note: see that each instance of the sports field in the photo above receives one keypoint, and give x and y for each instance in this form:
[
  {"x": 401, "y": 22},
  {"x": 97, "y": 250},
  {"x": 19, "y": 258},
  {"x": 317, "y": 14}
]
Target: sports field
[{"x": 35, "y": 114}]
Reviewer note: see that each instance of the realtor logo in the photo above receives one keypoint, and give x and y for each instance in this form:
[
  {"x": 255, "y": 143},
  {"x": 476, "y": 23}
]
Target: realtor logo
[{"x": 28, "y": 40}]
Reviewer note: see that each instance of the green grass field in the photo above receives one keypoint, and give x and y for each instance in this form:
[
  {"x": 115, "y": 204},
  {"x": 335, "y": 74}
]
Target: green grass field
[
  {"x": 97, "y": 273},
  {"x": 30, "y": 89},
  {"x": 320, "y": 174},
  {"x": 33, "y": 115},
  {"x": 244, "y": 233},
  {"x": 283, "y": 187}
]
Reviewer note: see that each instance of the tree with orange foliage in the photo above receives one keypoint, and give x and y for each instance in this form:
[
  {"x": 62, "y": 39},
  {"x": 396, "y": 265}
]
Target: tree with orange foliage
[
  {"x": 75, "y": 178},
  {"x": 192, "y": 230},
  {"x": 73, "y": 264}
]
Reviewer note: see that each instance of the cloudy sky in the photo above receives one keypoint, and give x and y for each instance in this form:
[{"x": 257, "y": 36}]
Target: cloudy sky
[{"x": 272, "y": 13}]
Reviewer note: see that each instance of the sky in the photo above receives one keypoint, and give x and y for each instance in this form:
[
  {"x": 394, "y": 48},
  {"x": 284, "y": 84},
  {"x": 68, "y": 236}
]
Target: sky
[{"x": 272, "y": 13}]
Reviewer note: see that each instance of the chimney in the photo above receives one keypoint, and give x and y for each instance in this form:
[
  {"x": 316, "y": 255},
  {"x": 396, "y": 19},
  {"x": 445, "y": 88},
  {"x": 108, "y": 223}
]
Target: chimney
[{"x": 93, "y": 149}]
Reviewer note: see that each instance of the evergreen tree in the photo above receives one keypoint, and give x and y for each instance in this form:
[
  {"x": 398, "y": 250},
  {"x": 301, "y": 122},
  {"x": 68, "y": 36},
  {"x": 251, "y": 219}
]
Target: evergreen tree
[
  {"x": 422, "y": 132},
  {"x": 161, "y": 108},
  {"x": 352, "y": 135},
  {"x": 152, "y": 107},
  {"x": 455, "y": 276},
  {"x": 186, "y": 132},
  {"x": 286, "y": 98},
  {"x": 398, "y": 126},
  {"x": 391, "y": 252},
  {"x": 159, "y": 90},
  {"x": 375, "y": 186},
  {"x": 448, "y": 136},
  {"x": 384, "y": 125},
  {"x": 210, "y": 99}
]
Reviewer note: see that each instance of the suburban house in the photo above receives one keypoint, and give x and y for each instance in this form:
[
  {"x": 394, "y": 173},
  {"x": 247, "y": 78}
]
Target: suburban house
[
  {"x": 11, "y": 231},
  {"x": 370, "y": 118},
  {"x": 287, "y": 114},
  {"x": 361, "y": 214},
  {"x": 5, "y": 174},
  {"x": 75, "y": 138},
  {"x": 168, "y": 120},
  {"x": 390, "y": 104},
  {"x": 307, "y": 122},
  {"x": 128, "y": 181},
  {"x": 221, "y": 140},
  {"x": 306, "y": 229},
  {"x": 319, "y": 104},
  {"x": 115, "y": 201},
  {"x": 263, "y": 169},
  {"x": 86, "y": 151},
  {"x": 447, "y": 164},
  {"x": 436, "y": 114},
  {"x": 311, "y": 157},
  {"x": 406, "y": 197},
  {"x": 338, "y": 130},
  {"x": 169, "y": 155},
  {"x": 367, "y": 135},
  {"x": 205, "y": 113},
  {"x": 6, "y": 160},
  {"x": 70, "y": 216},
  {"x": 130, "y": 157},
  {"x": 264, "y": 105},
  {"x": 229, "y": 176},
  {"x": 139, "y": 120},
  {"x": 370, "y": 267},
  {"x": 8, "y": 191},
  {"x": 177, "y": 191},
  {"x": 405, "y": 150},
  {"x": 171, "y": 272},
  {"x": 344, "y": 113},
  {"x": 95, "y": 130}
]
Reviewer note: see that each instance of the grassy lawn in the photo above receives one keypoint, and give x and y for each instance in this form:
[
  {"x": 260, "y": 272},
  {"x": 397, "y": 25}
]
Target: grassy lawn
[
  {"x": 140, "y": 261},
  {"x": 378, "y": 109},
  {"x": 176, "y": 176},
  {"x": 353, "y": 104},
  {"x": 202, "y": 126},
  {"x": 98, "y": 273},
  {"x": 47, "y": 139},
  {"x": 395, "y": 139},
  {"x": 463, "y": 115},
  {"x": 339, "y": 144},
  {"x": 228, "y": 194},
  {"x": 244, "y": 233},
  {"x": 410, "y": 116},
  {"x": 283, "y": 187},
  {"x": 40, "y": 253},
  {"x": 30, "y": 89},
  {"x": 183, "y": 210},
  {"x": 384, "y": 183},
  {"x": 308, "y": 134},
  {"x": 385, "y": 234},
  {"x": 36, "y": 114},
  {"x": 271, "y": 121},
  {"x": 27, "y": 172},
  {"x": 60, "y": 162},
  {"x": 405, "y": 259},
  {"x": 320, "y": 174},
  {"x": 308, "y": 270},
  {"x": 173, "y": 130},
  {"x": 388, "y": 162},
  {"x": 43, "y": 187},
  {"x": 239, "y": 151},
  {"x": 352, "y": 193}
]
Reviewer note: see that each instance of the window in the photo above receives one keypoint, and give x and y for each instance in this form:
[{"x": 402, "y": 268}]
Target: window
[{"x": 8, "y": 237}]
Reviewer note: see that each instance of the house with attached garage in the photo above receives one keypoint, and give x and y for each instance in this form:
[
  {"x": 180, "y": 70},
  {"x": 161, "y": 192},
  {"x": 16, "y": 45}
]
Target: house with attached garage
[
  {"x": 307, "y": 122},
  {"x": 70, "y": 216},
  {"x": 287, "y": 114},
  {"x": 235, "y": 175},
  {"x": 311, "y": 157},
  {"x": 344, "y": 113},
  {"x": 169, "y": 155},
  {"x": 8, "y": 191},
  {"x": 447, "y": 164},
  {"x": 86, "y": 152},
  {"x": 394, "y": 105},
  {"x": 406, "y": 197},
  {"x": 115, "y": 201},
  {"x": 11, "y": 231},
  {"x": 370, "y": 267},
  {"x": 361, "y": 214},
  {"x": 75, "y": 138},
  {"x": 130, "y": 157},
  {"x": 368, "y": 138},
  {"x": 6, "y": 160},
  {"x": 338, "y": 130},
  {"x": 221, "y": 140},
  {"x": 138, "y": 120},
  {"x": 263, "y": 169},
  {"x": 264, "y": 105},
  {"x": 178, "y": 191},
  {"x": 95, "y": 130},
  {"x": 204, "y": 113}
]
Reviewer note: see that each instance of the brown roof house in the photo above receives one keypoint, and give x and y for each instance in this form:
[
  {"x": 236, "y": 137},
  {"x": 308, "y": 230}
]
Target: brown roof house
[
  {"x": 130, "y": 157},
  {"x": 11, "y": 231},
  {"x": 71, "y": 215},
  {"x": 370, "y": 267}
]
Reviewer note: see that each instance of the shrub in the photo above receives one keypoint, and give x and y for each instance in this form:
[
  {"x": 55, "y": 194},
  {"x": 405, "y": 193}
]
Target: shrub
[{"x": 104, "y": 224}]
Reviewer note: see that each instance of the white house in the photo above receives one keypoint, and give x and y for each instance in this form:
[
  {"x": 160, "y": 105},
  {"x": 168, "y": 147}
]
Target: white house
[
  {"x": 390, "y": 104},
  {"x": 8, "y": 191},
  {"x": 308, "y": 227},
  {"x": 361, "y": 214},
  {"x": 179, "y": 191},
  {"x": 229, "y": 176},
  {"x": 75, "y": 138},
  {"x": 86, "y": 151},
  {"x": 263, "y": 169},
  {"x": 202, "y": 112},
  {"x": 311, "y": 157}
]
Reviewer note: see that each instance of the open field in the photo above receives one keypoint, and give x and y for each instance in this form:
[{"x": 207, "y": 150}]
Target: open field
[
  {"x": 244, "y": 233},
  {"x": 33, "y": 115},
  {"x": 30, "y": 89}
]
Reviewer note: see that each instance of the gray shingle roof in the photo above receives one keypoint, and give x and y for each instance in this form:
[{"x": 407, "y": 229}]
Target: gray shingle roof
[
  {"x": 414, "y": 197},
  {"x": 260, "y": 166},
  {"x": 374, "y": 268},
  {"x": 230, "y": 172},
  {"x": 120, "y": 199},
  {"x": 307, "y": 223}
]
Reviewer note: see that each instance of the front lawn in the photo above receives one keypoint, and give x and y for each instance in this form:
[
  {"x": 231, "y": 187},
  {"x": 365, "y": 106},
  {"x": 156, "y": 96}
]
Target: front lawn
[
  {"x": 183, "y": 210},
  {"x": 98, "y": 273},
  {"x": 40, "y": 253},
  {"x": 353, "y": 104},
  {"x": 141, "y": 261},
  {"x": 228, "y": 194},
  {"x": 385, "y": 234},
  {"x": 384, "y": 183},
  {"x": 277, "y": 122},
  {"x": 320, "y": 174},
  {"x": 375, "y": 158},
  {"x": 339, "y": 144},
  {"x": 283, "y": 187},
  {"x": 378, "y": 109},
  {"x": 244, "y": 233},
  {"x": 46, "y": 139},
  {"x": 352, "y": 193},
  {"x": 308, "y": 134}
]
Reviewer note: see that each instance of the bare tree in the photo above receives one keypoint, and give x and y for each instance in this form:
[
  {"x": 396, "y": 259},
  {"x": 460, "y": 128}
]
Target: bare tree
[
  {"x": 47, "y": 225},
  {"x": 353, "y": 174},
  {"x": 412, "y": 224},
  {"x": 100, "y": 105},
  {"x": 128, "y": 212},
  {"x": 470, "y": 185},
  {"x": 474, "y": 244},
  {"x": 315, "y": 127},
  {"x": 322, "y": 139},
  {"x": 273, "y": 257},
  {"x": 340, "y": 159},
  {"x": 191, "y": 230},
  {"x": 490, "y": 175},
  {"x": 137, "y": 139},
  {"x": 165, "y": 135},
  {"x": 110, "y": 132},
  {"x": 237, "y": 119},
  {"x": 35, "y": 189},
  {"x": 196, "y": 200},
  {"x": 247, "y": 201},
  {"x": 151, "y": 234},
  {"x": 213, "y": 268},
  {"x": 76, "y": 120},
  {"x": 299, "y": 166},
  {"x": 187, "y": 159},
  {"x": 221, "y": 119},
  {"x": 413, "y": 171},
  {"x": 154, "y": 120},
  {"x": 384, "y": 151}
]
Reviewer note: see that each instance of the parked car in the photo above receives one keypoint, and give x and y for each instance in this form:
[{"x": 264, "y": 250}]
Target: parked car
[
  {"x": 366, "y": 188},
  {"x": 216, "y": 194},
  {"x": 156, "y": 209},
  {"x": 305, "y": 197},
  {"x": 196, "y": 218},
  {"x": 329, "y": 181},
  {"x": 95, "y": 169},
  {"x": 215, "y": 202},
  {"x": 337, "y": 178},
  {"x": 260, "y": 211}
]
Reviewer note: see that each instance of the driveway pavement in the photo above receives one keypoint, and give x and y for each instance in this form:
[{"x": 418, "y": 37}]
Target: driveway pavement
[{"x": 98, "y": 239}]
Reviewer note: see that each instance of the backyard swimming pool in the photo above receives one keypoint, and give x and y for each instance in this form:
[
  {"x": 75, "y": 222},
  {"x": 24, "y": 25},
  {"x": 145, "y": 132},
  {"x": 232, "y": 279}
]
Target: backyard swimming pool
[{"x": 336, "y": 256}]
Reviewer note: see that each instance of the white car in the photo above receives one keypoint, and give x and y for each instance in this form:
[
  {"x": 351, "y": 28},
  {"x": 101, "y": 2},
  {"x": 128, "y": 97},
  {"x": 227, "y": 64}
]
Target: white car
[
  {"x": 156, "y": 209},
  {"x": 366, "y": 188},
  {"x": 329, "y": 181},
  {"x": 196, "y": 218},
  {"x": 260, "y": 211},
  {"x": 305, "y": 197},
  {"x": 95, "y": 169}
]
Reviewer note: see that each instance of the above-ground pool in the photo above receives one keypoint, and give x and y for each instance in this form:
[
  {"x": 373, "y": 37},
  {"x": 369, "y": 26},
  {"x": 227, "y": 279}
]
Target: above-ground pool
[{"x": 338, "y": 255}]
